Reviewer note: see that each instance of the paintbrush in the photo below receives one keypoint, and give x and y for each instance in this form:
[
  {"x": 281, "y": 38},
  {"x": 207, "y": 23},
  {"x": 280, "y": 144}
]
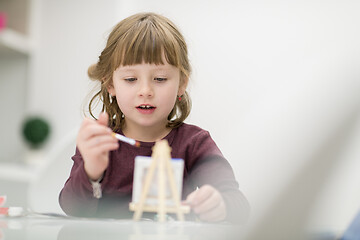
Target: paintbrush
[{"x": 126, "y": 139}]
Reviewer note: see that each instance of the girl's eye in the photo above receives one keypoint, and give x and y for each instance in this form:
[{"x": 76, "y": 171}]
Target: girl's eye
[
  {"x": 130, "y": 79},
  {"x": 160, "y": 79}
]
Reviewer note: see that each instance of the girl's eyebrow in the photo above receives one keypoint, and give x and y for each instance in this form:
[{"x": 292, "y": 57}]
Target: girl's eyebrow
[{"x": 163, "y": 67}]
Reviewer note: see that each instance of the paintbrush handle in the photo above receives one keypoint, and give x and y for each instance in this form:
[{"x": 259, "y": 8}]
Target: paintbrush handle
[{"x": 126, "y": 139}]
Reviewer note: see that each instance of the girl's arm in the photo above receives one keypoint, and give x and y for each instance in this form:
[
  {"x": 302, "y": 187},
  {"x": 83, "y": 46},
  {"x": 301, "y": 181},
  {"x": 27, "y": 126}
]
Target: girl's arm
[
  {"x": 76, "y": 197},
  {"x": 94, "y": 142},
  {"x": 218, "y": 197}
]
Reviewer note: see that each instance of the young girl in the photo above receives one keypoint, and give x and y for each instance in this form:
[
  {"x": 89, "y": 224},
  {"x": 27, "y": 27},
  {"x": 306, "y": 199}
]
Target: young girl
[{"x": 144, "y": 71}]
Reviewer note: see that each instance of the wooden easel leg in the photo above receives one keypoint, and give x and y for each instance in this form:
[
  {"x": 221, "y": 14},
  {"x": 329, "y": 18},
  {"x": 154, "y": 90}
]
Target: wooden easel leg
[
  {"x": 174, "y": 192},
  {"x": 148, "y": 179},
  {"x": 161, "y": 190}
]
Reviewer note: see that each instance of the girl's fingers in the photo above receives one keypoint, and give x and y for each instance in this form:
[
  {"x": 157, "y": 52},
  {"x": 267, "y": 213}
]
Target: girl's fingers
[
  {"x": 216, "y": 214},
  {"x": 100, "y": 140},
  {"x": 201, "y": 195},
  {"x": 93, "y": 130},
  {"x": 103, "y": 119},
  {"x": 208, "y": 204},
  {"x": 190, "y": 198},
  {"x": 106, "y": 147}
]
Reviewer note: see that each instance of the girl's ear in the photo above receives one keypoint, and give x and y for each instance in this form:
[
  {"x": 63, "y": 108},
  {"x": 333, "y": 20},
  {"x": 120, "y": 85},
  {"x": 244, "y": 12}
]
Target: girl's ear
[
  {"x": 183, "y": 86},
  {"x": 110, "y": 88}
]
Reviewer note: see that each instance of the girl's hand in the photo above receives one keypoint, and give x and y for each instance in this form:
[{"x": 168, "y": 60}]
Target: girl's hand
[
  {"x": 207, "y": 203},
  {"x": 95, "y": 141}
]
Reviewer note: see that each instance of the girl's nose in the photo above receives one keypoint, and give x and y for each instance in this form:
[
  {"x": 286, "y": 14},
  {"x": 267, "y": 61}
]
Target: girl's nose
[{"x": 146, "y": 89}]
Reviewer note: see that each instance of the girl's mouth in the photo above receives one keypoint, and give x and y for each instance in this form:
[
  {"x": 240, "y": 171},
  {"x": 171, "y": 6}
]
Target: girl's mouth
[{"x": 146, "y": 109}]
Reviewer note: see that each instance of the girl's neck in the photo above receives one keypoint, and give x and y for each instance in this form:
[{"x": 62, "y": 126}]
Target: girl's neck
[{"x": 146, "y": 134}]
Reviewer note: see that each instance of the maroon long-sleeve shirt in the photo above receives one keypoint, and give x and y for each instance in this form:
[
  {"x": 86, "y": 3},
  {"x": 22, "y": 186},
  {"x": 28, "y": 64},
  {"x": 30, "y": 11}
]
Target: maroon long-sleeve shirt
[{"x": 203, "y": 164}]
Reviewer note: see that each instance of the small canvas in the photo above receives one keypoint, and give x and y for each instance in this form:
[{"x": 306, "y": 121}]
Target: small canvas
[{"x": 142, "y": 165}]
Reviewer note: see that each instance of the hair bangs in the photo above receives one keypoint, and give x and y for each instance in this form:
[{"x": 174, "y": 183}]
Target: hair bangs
[{"x": 146, "y": 42}]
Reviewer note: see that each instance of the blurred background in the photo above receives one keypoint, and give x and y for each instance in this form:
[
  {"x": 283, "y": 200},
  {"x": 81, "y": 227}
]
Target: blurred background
[{"x": 277, "y": 84}]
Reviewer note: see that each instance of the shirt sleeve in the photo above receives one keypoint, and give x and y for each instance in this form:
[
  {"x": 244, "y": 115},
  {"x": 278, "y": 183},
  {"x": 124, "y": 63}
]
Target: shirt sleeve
[
  {"x": 77, "y": 198},
  {"x": 208, "y": 166}
]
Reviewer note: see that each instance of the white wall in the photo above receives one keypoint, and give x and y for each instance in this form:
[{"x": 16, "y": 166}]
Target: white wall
[
  {"x": 69, "y": 36},
  {"x": 273, "y": 81}
]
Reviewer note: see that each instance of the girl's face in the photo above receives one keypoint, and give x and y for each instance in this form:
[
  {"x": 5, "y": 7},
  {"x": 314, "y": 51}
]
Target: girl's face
[{"x": 146, "y": 93}]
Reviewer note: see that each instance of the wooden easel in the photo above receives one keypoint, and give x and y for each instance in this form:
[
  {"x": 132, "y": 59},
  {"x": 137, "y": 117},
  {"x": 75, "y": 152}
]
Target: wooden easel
[{"x": 161, "y": 161}]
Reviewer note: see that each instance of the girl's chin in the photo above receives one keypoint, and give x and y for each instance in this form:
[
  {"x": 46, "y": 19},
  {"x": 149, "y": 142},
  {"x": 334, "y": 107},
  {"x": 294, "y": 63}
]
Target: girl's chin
[{"x": 148, "y": 124}]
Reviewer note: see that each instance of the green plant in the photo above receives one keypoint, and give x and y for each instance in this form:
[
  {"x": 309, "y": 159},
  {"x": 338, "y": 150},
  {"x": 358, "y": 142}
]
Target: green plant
[{"x": 35, "y": 131}]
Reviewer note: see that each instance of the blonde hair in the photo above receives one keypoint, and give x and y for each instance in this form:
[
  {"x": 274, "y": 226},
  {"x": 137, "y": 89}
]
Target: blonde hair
[{"x": 143, "y": 37}]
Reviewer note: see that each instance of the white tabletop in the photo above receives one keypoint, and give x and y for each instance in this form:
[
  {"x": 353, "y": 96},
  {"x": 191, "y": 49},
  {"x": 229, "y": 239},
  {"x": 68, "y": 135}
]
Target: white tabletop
[{"x": 40, "y": 227}]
